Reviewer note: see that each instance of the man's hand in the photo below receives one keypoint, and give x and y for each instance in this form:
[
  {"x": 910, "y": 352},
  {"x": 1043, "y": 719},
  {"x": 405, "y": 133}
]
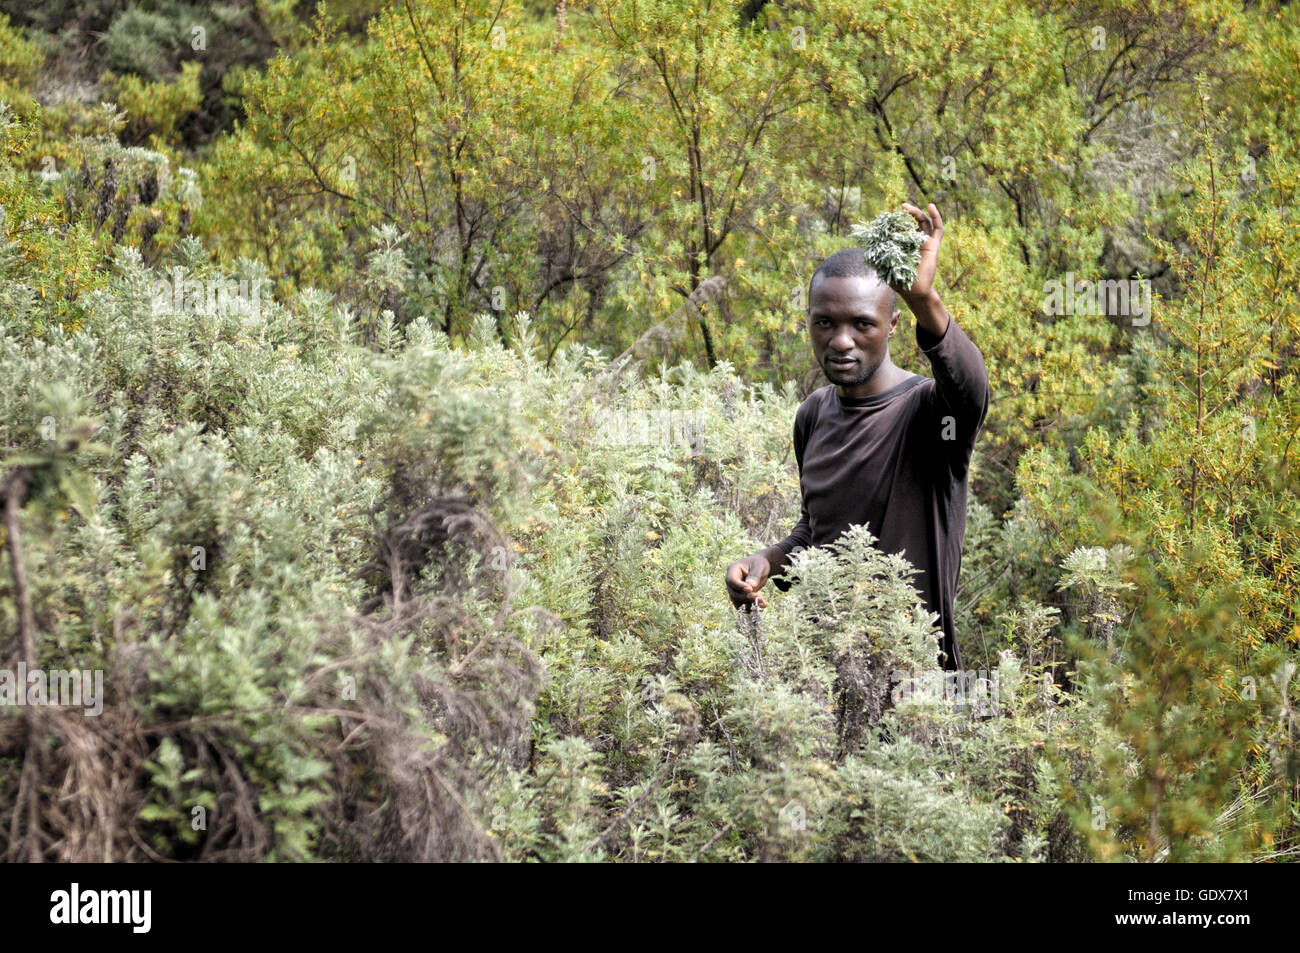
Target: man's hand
[
  {"x": 921, "y": 298},
  {"x": 745, "y": 577},
  {"x": 931, "y": 224}
]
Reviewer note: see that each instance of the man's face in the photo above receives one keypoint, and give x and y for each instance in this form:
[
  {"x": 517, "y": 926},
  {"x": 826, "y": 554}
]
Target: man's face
[{"x": 849, "y": 321}]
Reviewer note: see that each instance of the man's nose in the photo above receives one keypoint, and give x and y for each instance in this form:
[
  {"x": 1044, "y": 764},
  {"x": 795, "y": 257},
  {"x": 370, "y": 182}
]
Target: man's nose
[{"x": 842, "y": 340}]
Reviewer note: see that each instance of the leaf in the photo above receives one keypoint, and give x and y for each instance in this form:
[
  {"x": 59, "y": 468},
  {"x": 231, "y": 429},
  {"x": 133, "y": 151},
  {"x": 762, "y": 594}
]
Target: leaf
[{"x": 156, "y": 812}]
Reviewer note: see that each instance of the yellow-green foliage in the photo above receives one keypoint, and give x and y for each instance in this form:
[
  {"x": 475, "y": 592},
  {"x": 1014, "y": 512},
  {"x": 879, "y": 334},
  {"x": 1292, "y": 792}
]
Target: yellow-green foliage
[
  {"x": 387, "y": 451},
  {"x": 20, "y": 60},
  {"x": 153, "y": 109}
]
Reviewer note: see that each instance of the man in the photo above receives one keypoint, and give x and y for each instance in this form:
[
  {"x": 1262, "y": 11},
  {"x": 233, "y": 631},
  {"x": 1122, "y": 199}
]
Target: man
[{"x": 878, "y": 445}]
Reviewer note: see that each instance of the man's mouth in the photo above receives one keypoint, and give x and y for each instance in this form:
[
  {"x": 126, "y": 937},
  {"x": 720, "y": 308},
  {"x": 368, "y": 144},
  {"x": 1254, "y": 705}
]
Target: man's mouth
[{"x": 841, "y": 361}]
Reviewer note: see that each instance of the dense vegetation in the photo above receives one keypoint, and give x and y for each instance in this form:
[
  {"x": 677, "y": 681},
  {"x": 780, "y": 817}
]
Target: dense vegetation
[{"x": 384, "y": 390}]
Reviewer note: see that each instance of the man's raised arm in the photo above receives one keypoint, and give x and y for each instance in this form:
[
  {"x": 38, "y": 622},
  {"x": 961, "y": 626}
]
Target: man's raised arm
[{"x": 961, "y": 380}]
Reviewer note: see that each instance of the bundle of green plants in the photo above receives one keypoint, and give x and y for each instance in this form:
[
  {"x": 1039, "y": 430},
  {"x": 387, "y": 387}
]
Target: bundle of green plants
[{"x": 892, "y": 245}]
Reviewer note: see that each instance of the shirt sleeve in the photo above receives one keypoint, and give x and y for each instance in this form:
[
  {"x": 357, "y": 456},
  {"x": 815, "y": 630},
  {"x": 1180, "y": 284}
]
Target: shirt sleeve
[
  {"x": 801, "y": 535},
  {"x": 961, "y": 381}
]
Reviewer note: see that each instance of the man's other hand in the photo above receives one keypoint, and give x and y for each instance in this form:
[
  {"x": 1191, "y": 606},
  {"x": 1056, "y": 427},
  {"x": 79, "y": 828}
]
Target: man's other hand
[{"x": 745, "y": 577}]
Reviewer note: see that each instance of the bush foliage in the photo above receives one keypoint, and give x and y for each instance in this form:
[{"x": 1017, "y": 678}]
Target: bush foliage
[{"x": 381, "y": 404}]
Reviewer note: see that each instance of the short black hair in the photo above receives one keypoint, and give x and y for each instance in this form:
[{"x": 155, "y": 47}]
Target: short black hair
[{"x": 847, "y": 263}]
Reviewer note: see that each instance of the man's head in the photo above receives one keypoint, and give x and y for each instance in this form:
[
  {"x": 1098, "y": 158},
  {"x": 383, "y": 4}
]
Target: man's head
[{"x": 851, "y": 314}]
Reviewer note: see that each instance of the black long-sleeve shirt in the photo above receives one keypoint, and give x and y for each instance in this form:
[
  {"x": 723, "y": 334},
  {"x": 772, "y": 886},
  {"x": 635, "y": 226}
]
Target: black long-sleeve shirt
[{"x": 898, "y": 461}]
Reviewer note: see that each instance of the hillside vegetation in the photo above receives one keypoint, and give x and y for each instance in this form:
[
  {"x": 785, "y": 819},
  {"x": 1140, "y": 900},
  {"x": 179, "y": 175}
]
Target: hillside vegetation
[{"x": 384, "y": 390}]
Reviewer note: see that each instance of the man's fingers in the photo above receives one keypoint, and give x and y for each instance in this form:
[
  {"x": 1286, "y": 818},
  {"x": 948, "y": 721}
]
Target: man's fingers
[
  {"x": 743, "y": 582},
  {"x": 740, "y": 589},
  {"x": 929, "y": 218},
  {"x": 936, "y": 217}
]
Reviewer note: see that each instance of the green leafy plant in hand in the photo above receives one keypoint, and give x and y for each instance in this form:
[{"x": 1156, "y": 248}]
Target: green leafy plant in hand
[{"x": 892, "y": 243}]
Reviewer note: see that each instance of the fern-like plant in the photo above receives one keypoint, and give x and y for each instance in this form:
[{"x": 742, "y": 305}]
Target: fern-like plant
[{"x": 892, "y": 245}]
